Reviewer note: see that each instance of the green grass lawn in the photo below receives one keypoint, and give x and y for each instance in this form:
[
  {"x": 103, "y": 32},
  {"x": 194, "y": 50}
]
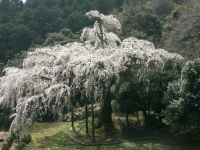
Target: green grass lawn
[{"x": 54, "y": 136}]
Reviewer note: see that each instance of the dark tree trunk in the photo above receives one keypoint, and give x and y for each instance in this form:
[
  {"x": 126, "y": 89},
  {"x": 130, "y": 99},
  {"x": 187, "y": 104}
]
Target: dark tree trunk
[
  {"x": 144, "y": 111},
  {"x": 138, "y": 118},
  {"x": 160, "y": 120},
  {"x": 148, "y": 107},
  {"x": 101, "y": 32},
  {"x": 127, "y": 121},
  {"x": 93, "y": 127},
  {"x": 86, "y": 116},
  {"x": 105, "y": 117},
  {"x": 72, "y": 116}
]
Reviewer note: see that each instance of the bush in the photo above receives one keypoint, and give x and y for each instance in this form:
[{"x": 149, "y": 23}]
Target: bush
[
  {"x": 8, "y": 142},
  {"x": 115, "y": 106},
  {"x": 177, "y": 11},
  {"x": 182, "y": 99},
  {"x": 26, "y": 139},
  {"x": 20, "y": 146},
  {"x": 66, "y": 32},
  {"x": 5, "y": 146},
  {"x": 54, "y": 38},
  {"x": 163, "y": 7}
]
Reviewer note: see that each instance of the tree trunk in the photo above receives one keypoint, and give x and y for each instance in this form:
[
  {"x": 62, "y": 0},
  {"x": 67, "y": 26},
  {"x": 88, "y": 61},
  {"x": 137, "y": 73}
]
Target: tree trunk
[
  {"x": 93, "y": 127},
  {"x": 86, "y": 116},
  {"x": 160, "y": 120},
  {"x": 127, "y": 121},
  {"x": 72, "y": 116},
  {"x": 144, "y": 114},
  {"x": 138, "y": 118},
  {"x": 101, "y": 32},
  {"x": 105, "y": 116},
  {"x": 144, "y": 111}
]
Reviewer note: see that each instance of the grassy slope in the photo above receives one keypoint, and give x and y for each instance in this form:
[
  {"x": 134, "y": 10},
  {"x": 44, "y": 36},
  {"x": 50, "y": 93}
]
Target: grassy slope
[{"x": 54, "y": 136}]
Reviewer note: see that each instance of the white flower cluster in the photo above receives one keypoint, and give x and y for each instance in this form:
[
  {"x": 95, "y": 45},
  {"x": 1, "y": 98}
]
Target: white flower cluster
[
  {"x": 109, "y": 21},
  {"x": 51, "y": 76},
  {"x": 108, "y": 24}
]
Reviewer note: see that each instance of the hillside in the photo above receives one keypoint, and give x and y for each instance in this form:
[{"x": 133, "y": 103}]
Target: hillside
[
  {"x": 172, "y": 25},
  {"x": 183, "y": 33},
  {"x": 169, "y": 24}
]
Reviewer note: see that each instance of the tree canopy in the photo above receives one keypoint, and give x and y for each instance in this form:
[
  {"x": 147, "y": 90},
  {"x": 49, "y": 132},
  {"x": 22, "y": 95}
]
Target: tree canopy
[
  {"x": 182, "y": 99},
  {"x": 51, "y": 74}
]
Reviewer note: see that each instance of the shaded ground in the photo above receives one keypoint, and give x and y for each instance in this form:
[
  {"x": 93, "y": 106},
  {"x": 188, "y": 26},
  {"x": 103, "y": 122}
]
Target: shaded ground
[
  {"x": 113, "y": 138},
  {"x": 118, "y": 133},
  {"x": 154, "y": 139},
  {"x": 54, "y": 136},
  {"x": 163, "y": 136}
]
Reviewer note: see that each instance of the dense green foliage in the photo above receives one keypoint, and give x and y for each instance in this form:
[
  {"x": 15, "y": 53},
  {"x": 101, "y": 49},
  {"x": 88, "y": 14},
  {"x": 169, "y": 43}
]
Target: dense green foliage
[
  {"x": 25, "y": 25},
  {"x": 143, "y": 91},
  {"x": 23, "y": 142},
  {"x": 182, "y": 99}
]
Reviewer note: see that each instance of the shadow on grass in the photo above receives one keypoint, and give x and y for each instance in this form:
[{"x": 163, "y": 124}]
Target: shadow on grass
[{"x": 58, "y": 139}]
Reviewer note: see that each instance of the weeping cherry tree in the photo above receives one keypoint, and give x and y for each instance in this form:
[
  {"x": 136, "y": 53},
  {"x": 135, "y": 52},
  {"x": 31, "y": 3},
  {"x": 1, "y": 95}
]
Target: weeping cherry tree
[{"x": 50, "y": 75}]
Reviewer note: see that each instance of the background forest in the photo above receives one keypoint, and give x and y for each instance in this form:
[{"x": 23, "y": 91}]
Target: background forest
[{"x": 170, "y": 24}]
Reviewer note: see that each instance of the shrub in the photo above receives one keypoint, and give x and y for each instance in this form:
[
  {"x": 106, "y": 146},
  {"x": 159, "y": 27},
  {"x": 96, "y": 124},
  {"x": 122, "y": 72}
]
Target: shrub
[
  {"x": 66, "y": 32},
  {"x": 8, "y": 142},
  {"x": 26, "y": 139},
  {"x": 115, "y": 106},
  {"x": 182, "y": 99},
  {"x": 20, "y": 146},
  {"x": 177, "y": 11},
  {"x": 163, "y": 7},
  {"x": 5, "y": 146}
]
